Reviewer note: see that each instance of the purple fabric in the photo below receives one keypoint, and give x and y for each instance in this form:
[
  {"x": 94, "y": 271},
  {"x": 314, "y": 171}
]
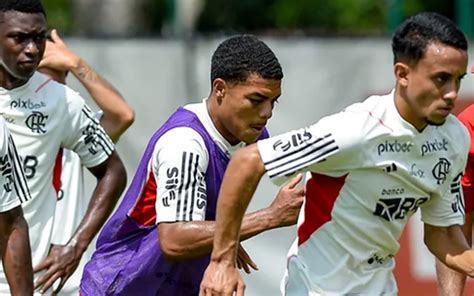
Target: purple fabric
[{"x": 128, "y": 259}]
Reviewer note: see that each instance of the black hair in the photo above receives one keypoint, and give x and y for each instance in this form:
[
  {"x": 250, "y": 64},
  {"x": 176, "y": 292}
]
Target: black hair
[
  {"x": 25, "y": 6},
  {"x": 411, "y": 38},
  {"x": 239, "y": 56}
]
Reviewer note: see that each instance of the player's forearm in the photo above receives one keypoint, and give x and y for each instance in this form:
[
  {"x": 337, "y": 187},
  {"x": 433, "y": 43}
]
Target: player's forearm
[
  {"x": 187, "y": 240},
  {"x": 118, "y": 115},
  {"x": 239, "y": 184},
  {"x": 16, "y": 253},
  {"x": 450, "y": 282},
  {"x": 450, "y": 246},
  {"x": 111, "y": 177}
]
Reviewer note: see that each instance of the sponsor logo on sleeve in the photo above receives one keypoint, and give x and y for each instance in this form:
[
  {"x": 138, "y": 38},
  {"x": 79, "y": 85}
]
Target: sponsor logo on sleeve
[
  {"x": 90, "y": 137},
  {"x": 295, "y": 140},
  {"x": 455, "y": 189},
  {"x": 7, "y": 173},
  {"x": 171, "y": 185}
]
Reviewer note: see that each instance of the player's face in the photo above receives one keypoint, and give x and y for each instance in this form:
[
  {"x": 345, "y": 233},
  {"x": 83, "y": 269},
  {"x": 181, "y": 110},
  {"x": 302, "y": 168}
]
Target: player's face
[
  {"x": 247, "y": 106},
  {"x": 22, "y": 44},
  {"x": 432, "y": 85}
]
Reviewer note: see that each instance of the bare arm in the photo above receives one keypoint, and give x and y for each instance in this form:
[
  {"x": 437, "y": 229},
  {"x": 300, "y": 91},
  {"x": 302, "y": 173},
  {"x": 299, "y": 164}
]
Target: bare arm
[
  {"x": 111, "y": 180},
  {"x": 185, "y": 240},
  {"x": 450, "y": 246},
  {"x": 118, "y": 115},
  {"x": 240, "y": 182},
  {"x": 16, "y": 253},
  {"x": 451, "y": 282}
]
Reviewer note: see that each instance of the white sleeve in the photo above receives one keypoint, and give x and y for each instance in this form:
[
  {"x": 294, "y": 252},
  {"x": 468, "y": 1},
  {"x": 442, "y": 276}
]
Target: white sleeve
[
  {"x": 179, "y": 165},
  {"x": 328, "y": 146},
  {"x": 13, "y": 187},
  {"x": 86, "y": 136}
]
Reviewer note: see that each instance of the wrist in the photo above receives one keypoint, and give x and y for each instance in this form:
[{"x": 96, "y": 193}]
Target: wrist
[{"x": 79, "y": 246}]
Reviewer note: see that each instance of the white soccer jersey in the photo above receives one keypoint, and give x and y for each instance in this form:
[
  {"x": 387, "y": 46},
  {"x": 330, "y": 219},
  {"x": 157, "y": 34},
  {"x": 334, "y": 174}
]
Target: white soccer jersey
[
  {"x": 13, "y": 187},
  {"x": 371, "y": 170},
  {"x": 44, "y": 116}
]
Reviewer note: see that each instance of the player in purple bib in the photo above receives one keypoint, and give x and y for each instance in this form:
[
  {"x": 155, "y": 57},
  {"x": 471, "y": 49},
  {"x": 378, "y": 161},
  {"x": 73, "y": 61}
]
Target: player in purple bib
[{"x": 159, "y": 240}]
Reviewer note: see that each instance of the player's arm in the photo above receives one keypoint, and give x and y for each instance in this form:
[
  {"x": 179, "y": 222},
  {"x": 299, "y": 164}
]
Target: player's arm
[
  {"x": 14, "y": 239},
  {"x": 450, "y": 246},
  {"x": 118, "y": 115},
  {"x": 60, "y": 264},
  {"x": 15, "y": 250},
  {"x": 452, "y": 282},
  {"x": 179, "y": 164},
  {"x": 191, "y": 239}
]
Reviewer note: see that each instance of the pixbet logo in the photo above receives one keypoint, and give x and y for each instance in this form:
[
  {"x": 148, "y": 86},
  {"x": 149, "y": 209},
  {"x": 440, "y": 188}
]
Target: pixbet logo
[
  {"x": 434, "y": 146},
  {"x": 394, "y": 147},
  {"x": 27, "y": 104}
]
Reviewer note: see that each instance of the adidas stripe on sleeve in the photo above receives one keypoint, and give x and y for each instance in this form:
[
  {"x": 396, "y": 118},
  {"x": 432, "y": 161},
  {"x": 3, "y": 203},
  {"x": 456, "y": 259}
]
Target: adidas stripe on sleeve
[
  {"x": 13, "y": 187},
  {"x": 179, "y": 164}
]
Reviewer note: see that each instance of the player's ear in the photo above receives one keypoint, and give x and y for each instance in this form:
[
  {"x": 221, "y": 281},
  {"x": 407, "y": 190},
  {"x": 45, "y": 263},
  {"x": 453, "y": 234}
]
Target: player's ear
[
  {"x": 401, "y": 71},
  {"x": 219, "y": 87}
]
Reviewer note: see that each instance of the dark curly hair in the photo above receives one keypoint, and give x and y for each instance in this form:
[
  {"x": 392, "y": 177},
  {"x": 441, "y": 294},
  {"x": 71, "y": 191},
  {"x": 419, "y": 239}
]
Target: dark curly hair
[
  {"x": 239, "y": 56},
  {"x": 411, "y": 38},
  {"x": 26, "y": 6}
]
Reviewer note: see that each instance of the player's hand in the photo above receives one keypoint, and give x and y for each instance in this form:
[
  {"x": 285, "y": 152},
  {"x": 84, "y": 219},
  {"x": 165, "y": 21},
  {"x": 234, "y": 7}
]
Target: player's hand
[
  {"x": 57, "y": 55},
  {"x": 244, "y": 261},
  {"x": 60, "y": 263},
  {"x": 287, "y": 204},
  {"x": 221, "y": 279}
]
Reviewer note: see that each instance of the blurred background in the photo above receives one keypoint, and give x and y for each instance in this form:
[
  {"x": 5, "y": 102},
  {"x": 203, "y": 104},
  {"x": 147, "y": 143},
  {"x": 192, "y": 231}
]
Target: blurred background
[{"x": 333, "y": 53}]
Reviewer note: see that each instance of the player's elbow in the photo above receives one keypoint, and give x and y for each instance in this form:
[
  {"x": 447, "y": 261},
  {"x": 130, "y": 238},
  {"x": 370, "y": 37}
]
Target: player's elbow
[
  {"x": 249, "y": 159},
  {"x": 127, "y": 118}
]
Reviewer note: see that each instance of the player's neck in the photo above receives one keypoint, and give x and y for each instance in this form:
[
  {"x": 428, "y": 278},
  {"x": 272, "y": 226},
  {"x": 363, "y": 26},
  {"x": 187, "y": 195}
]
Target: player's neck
[
  {"x": 8, "y": 81},
  {"x": 407, "y": 111}
]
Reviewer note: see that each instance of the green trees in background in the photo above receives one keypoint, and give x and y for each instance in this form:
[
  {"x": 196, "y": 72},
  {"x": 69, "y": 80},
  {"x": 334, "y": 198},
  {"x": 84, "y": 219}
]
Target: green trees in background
[{"x": 310, "y": 17}]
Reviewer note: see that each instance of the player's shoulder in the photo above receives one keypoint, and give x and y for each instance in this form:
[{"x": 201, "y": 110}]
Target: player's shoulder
[
  {"x": 181, "y": 137},
  {"x": 47, "y": 87}
]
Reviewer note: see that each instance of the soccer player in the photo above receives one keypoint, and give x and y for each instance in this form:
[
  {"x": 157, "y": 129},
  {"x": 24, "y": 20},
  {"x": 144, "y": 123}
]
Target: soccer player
[
  {"x": 372, "y": 166},
  {"x": 14, "y": 242},
  {"x": 451, "y": 282},
  {"x": 115, "y": 117},
  {"x": 159, "y": 240},
  {"x": 43, "y": 116}
]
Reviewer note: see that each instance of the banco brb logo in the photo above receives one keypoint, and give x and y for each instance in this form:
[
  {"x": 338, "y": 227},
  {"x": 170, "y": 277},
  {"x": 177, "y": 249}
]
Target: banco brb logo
[{"x": 441, "y": 170}]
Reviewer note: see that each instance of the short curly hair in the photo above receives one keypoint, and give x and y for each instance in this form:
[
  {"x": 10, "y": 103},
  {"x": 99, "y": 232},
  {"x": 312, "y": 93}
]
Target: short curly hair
[
  {"x": 239, "y": 56},
  {"x": 26, "y": 6}
]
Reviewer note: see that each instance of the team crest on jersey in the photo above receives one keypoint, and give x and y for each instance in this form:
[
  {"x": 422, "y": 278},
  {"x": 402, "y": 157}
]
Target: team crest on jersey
[
  {"x": 36, "y": 122},
  {"x": 441, "y": 170},
  {"x": 6, "y": 171},
  {"x": 398, "y": 208}
]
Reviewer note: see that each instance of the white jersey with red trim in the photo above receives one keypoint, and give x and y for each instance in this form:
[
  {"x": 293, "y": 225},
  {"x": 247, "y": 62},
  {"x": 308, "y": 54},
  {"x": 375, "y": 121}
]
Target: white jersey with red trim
[
  {"x": 370, "y": 171},
  {"x": 13, "y": 186},
  {"x": 44, "y": 116}
]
